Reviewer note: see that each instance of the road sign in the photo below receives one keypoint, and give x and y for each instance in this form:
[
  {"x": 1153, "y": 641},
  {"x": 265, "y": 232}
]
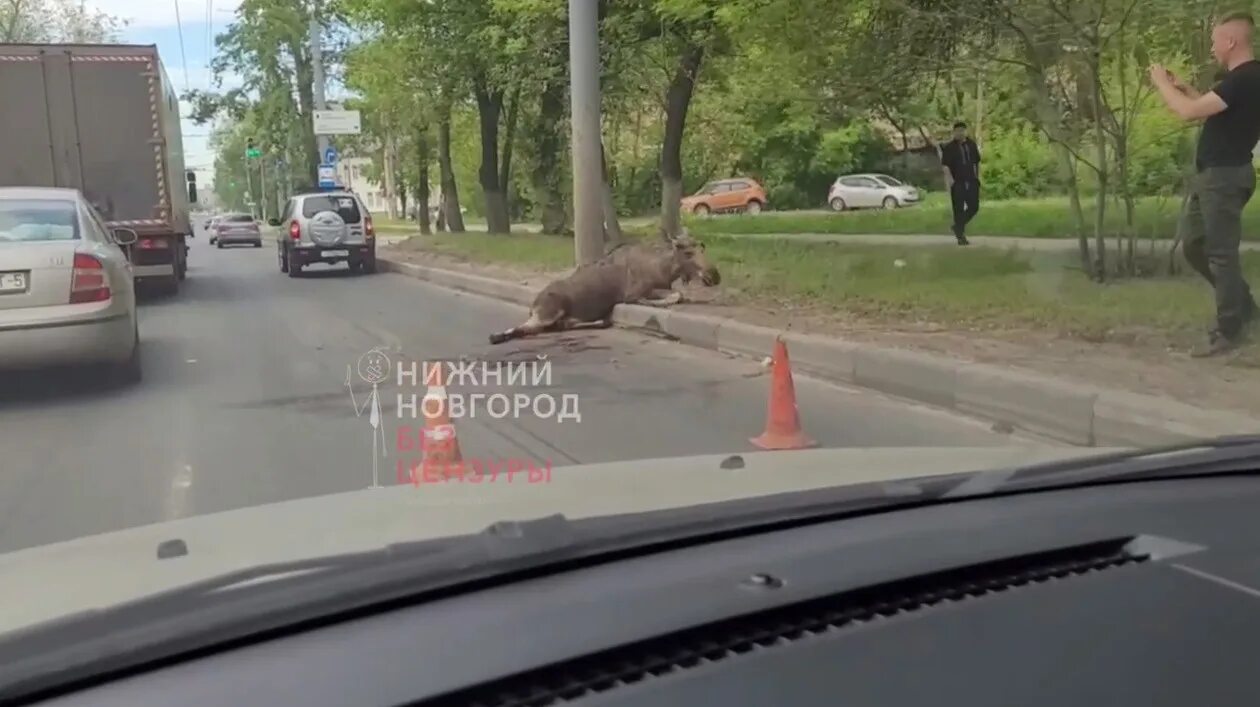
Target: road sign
[
  {"x": 327, "y": 176},
  {"x": 253, "y": 153},
  {"x": 336, "y": 122},
  {"x": 330, "y": 155}
]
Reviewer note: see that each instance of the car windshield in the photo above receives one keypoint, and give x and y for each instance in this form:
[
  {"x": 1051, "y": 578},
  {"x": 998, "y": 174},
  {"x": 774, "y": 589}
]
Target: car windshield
[
  {"x": 748, "y": 247},
  {"x": 28, "y": 220},
  {"x": 344, "y": 206}
]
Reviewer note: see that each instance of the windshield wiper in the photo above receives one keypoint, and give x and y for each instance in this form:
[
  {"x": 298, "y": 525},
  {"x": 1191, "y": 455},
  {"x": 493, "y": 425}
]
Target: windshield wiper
[{"x": 1220, "y": 455}]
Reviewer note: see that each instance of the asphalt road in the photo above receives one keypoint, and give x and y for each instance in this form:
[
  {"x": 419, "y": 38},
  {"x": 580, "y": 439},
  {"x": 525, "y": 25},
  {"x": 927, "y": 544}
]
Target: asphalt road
[{"x": 244, "y": 401}]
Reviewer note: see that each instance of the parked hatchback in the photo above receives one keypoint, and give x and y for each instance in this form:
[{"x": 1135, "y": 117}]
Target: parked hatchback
[
  {"x": 870, "y": 191},
  {"x": 726, "y": 195},
  {"x": 326, "y": 227}
]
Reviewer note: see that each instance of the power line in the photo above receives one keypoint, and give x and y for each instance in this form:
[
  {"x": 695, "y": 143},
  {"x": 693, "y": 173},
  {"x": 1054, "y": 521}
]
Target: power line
[
  {"x": 209, "y": 33},
  {"x": 182, "y": 54}
]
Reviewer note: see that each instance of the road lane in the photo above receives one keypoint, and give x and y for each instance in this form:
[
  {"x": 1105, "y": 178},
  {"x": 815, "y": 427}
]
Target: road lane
[{"x": 244, "y": 400}]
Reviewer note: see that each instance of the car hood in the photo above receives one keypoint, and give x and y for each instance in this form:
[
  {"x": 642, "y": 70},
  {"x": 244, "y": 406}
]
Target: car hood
[{"x": 51, "y": 581}]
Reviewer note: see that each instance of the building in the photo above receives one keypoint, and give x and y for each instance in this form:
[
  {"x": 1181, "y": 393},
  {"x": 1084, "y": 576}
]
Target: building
[{"x": 352, "y": 172}]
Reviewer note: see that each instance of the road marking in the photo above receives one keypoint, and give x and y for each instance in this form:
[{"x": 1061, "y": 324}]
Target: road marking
[{"x": 191, "y": 360}]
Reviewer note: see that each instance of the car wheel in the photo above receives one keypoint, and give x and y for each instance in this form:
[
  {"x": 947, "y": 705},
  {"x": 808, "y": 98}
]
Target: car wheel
[
  {"x": 129, "y": 371},
  {"x": 220, "y": 245},
  {"x": 295, "y": 269},
  {"x": 284, "y": 262},
  {"x": 257, "y": 244},
  {"x": 753, "y": 208},
  {"x": 701, "y": 210},
  {"x": 890, "y": 203},
  {"x": 837, "y": 204},
  {"x": 369, "y": 264}
]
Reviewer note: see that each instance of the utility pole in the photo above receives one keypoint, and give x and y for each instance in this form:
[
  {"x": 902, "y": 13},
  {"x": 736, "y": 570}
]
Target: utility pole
[
  {"x": 588, "y": 219},
  {"x": 317, "y": 64}
]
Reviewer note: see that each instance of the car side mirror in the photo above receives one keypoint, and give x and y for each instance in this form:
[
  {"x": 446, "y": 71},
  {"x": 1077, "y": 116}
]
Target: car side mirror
[
  {"x": 273, "y": 222},
  {"x": 125, "y": 236}
]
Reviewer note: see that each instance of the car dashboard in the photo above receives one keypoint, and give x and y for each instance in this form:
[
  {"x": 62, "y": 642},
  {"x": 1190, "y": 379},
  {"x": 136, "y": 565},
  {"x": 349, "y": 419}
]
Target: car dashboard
[{"x": 1124, "y": 594}]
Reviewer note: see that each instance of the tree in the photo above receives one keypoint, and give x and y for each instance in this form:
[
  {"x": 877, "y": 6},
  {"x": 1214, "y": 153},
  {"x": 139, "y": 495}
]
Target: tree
[{"x": 56, "y": 21}]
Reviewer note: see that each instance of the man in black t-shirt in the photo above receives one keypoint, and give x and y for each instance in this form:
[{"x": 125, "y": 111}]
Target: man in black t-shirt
[
  {"x": 1211, "y": 223},
  {"x": 960, "y": 160}
]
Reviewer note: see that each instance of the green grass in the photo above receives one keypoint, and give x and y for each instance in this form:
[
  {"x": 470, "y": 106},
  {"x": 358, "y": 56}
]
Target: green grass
[
  {"x": 1029, "y": 218},
  {"x": 977, "y": 288}
]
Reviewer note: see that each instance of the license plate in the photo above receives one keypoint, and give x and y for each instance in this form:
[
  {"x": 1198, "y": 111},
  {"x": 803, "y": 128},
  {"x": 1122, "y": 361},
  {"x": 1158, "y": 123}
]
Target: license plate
[
  {"x": 336, "y": 254},
  {"x": 12, "y": 282}
]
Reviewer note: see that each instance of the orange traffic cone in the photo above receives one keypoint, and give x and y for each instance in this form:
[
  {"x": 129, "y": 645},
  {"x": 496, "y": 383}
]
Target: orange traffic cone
[
  {"x": 783, "y": 420},
  {"x": 439, "y": 443}
]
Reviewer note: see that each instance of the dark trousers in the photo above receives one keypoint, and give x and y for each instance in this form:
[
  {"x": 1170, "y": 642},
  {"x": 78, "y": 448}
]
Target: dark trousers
[
  {"x": 1211, "y": 231},
  {"x": 966, "y": 198}
]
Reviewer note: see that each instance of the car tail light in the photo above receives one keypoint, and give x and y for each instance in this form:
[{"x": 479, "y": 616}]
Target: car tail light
[
  {"x": 153, "y": 243},
  {"x": 88, "y": 282},
  {"x": 368, "y": 228},
  {"x": 295, "y": 231}
]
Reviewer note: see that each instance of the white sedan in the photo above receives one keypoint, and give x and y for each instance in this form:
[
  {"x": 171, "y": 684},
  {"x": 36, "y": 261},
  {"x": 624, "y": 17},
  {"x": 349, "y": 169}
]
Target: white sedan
[{"x": 67, "y": 294}]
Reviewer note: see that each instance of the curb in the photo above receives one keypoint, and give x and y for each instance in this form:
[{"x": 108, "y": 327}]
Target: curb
[{"x": 1051, "y": 407}]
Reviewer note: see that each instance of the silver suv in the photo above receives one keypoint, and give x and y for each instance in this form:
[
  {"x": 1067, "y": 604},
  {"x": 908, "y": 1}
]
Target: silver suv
[{"x": 325, "y": 227}]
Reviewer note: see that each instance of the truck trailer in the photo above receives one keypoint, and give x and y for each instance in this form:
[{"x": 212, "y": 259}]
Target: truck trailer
[{"x": 103, "y": 119}]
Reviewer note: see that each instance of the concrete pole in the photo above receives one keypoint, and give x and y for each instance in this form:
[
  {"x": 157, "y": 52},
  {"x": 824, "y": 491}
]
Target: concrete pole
[
  {"x": 317, "y": 63},
  {"x": 588, "y": 220}
]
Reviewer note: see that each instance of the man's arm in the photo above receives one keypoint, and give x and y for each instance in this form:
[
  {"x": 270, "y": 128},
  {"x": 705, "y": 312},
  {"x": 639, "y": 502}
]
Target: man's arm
[
  {"x": 1181, "y": 103},
  {"x": 946, "y": 158}
]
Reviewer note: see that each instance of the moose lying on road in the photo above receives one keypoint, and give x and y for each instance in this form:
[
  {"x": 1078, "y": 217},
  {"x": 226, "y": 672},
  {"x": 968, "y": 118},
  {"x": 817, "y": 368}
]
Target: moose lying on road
[{"x": 629, "y": 274}]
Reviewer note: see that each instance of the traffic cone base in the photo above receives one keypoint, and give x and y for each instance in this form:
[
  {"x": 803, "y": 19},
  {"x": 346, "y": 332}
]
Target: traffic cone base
[{"x": 783, "y": 421}]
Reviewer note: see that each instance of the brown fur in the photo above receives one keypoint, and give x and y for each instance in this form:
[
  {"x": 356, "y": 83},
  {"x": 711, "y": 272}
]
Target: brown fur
[{"x": 637, "y": 274}]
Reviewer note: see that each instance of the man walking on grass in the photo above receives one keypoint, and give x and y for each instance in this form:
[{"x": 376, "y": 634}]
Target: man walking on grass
[
  {"x": 960, "y": 160},
  {"x": 1211, "y": 222}
]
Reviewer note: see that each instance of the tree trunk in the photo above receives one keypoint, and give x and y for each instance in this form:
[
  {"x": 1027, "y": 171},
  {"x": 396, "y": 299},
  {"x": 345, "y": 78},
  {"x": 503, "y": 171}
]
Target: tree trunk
[
  {"x": 548, "y": 176},
  {"x": 489, "y": 106},
  {"x": 387, "y": 172},
  {"x": 677, "y": 101},
  {"x": 449, "y": 215},
  {"x": 1049, "y": 120},
  {"x": 509, "y": 140},
  {"x": 612, "y": 227},
  {"x": 422, "y": 180},
  {"x": 1100, "y": 213},
  {"x": 305, "y": 75}
]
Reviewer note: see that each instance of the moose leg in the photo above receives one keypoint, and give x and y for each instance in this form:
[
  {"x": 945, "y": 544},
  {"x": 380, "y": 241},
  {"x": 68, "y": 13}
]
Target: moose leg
[
  {"x": 534, "y": 325},
  {"x": 662, "y": 298},
  {"x": 597, "y": 324}
]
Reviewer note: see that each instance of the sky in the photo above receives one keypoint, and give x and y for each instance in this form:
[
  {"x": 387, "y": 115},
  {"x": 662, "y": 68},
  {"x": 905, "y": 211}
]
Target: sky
[{"x": 156, "y": 22}]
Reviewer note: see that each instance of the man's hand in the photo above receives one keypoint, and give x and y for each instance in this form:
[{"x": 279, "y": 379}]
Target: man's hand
[{"x": 1161, "y": 76}]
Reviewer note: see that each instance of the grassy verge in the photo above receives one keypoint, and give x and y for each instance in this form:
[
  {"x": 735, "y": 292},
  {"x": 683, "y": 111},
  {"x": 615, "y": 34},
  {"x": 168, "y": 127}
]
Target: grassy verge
[
  {"x": 977, "y": 288},
  {"x": 1028, "y": 218}
]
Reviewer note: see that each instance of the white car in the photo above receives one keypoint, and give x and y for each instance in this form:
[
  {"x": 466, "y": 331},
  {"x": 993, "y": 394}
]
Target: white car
[
  {"x": 871, "y": 191},
  {"x": 67, "y": 293}
]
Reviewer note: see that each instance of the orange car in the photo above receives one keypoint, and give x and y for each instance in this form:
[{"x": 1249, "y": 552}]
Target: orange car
[{"x": 741, "y": 194}]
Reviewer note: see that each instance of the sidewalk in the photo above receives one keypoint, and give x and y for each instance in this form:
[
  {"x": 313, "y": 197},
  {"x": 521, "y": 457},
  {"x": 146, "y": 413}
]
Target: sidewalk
[{"x": 1081, "y": 393}]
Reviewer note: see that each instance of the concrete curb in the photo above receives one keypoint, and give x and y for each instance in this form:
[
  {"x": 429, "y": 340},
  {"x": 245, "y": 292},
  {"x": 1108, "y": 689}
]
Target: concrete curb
[{"x": 1052, "y": 407}]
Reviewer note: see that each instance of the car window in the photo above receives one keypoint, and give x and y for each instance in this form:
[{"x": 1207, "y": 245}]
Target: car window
[
  {"x": 868, "y": 183},
  {"x": 347, "y": 207},
  {"x": 94, "y": 219},
  {"x": 852, "y": 182},
  {"x": 889, "y": 181},
  {"x": 238, "y": 218},
  {"x": 32, "y": 220}
]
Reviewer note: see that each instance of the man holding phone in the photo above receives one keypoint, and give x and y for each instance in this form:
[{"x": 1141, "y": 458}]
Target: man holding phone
[
  {"x": 960, "y": 161},
  {"x": 1225, "y": 178}
]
